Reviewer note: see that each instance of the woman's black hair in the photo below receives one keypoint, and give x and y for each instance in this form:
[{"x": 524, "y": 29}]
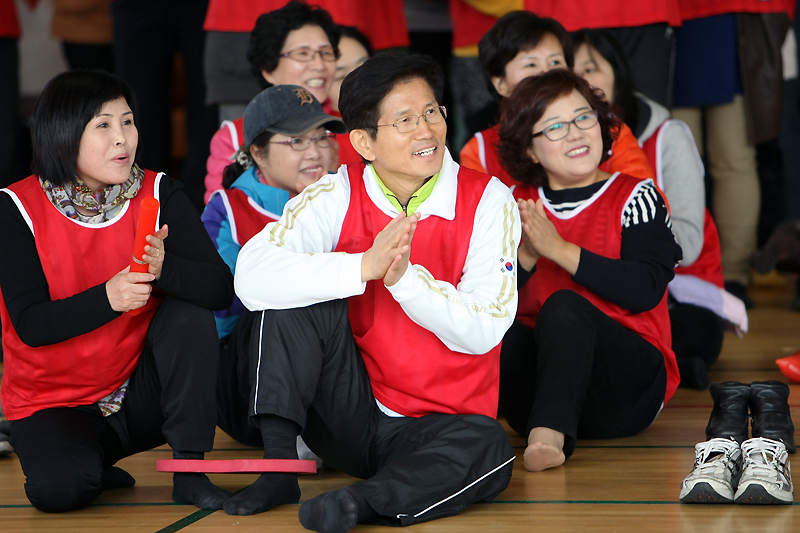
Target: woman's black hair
[
  {"x": 526, "y": 106},
  {"x": 236, "y": 169},
  {"x": 511, "y": 34},
  {"x": 364, "y": 89},
  {"x": 67, "y": 104},
  {"x": 357, "y": 35},
  {"x": 272, "y": 28},
  {"x": 607, "y": 45}
]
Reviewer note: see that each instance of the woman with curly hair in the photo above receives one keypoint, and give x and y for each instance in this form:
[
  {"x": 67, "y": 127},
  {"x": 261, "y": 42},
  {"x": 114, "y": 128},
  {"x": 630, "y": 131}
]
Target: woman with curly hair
[{"x": 589, "y": 355}]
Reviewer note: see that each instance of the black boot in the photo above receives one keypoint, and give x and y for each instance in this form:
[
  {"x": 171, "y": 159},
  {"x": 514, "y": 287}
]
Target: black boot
[
  {"x": 769, "y": 410},
  {"x": 729, "y": 416}
]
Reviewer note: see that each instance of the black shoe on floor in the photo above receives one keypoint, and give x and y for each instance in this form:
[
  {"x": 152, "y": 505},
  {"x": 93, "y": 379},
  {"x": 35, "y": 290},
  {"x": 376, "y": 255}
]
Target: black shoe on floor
[
  {"x": 769, "y": 411},
  {"x": 729, "y": 415},
  {"x": 740, "y": 291}
]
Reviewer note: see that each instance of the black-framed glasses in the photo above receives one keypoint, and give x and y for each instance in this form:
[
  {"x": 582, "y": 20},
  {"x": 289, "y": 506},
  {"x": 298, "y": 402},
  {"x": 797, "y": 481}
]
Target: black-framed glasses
[
  {"x": 304, "y": 54},
  {"x": 559, "y": 130},
  {"x": 301, "y": 144},
  {"x": 408, "y": 123}
]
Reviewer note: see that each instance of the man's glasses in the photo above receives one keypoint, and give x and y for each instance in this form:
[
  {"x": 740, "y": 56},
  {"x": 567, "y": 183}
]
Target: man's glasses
[
  {"x": 300, "y": 144},
  {"x": 304, "y": 54},
  {"x": 408, "y": 123},
  {"x": 559, "y": 130}
]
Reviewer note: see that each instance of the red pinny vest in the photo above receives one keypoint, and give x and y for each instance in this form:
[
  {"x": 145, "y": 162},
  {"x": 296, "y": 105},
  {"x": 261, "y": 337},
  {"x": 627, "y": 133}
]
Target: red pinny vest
[
  {"x": 597, "y": 227},
  {"x": 75, "y": 257},
  {"x": 708, "y": 265},
  {"x": 411, "y": 371},
  {"x": 245, "y": 216}
]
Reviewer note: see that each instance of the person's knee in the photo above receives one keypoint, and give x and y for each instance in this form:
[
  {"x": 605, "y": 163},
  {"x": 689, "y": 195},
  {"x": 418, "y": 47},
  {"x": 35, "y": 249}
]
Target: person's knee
[
  {"x": 562, "y": 306},
  {"x": 64, "y": 479}
]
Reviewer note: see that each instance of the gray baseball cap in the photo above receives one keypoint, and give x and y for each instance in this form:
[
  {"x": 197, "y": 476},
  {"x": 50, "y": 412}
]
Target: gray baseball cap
[{"x": 286, "y": 109}]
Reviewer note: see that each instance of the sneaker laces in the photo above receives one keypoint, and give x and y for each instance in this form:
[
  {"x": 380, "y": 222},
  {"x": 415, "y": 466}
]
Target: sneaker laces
[
  {"x": 763, "y": 456},
  {"x": 710, "y": 450}
]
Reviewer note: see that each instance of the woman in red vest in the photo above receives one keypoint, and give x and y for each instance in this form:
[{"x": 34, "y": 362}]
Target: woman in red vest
[
  {"x": 86, "y": 382},
  {"x": 286, "y": 148},
  {"x": 698, "y": 300},
  {"x": 520, "y": 45},
  {"x": 589, "y": 355}
]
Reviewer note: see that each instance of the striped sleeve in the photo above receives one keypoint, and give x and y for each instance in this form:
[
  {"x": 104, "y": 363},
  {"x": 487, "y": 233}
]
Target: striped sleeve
[{"x": 646, "y": 206}]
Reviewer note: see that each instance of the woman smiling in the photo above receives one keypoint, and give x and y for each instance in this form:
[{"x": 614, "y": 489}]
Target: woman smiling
[{"x": 589, "y": 355}]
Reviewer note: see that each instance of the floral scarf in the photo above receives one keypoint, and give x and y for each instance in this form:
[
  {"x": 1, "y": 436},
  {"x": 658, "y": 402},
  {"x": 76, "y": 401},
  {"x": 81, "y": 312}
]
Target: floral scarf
[{"x": 105, "y": 203}]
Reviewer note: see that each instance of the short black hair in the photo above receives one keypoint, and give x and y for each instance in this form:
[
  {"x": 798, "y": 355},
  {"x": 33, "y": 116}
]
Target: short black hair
[
  {"x": 359, "y": 36},
  {"x": 67, "y": 104},
  {"x": 272, "y": 28},
  {"x": 607, "y": 45},
  {"x": 511, "y": 34},
  {"x": 364, "y": 89}
]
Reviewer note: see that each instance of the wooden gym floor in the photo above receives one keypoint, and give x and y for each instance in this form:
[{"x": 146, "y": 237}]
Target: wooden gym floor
[{"x": 618, "y": 485}]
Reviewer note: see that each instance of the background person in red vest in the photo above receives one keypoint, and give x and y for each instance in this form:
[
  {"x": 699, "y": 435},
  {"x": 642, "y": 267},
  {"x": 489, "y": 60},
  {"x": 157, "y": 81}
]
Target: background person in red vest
[
  {"x": 86, "y": 383},
  {"x": 520, "y": 45},
  {"x": 294, "y": 45},
  {"x": 699, "y": 303},
  {"x": 382, "y": 294},
  {"x": 590, "y": 354},
  {"x": 286, "y": 148}
]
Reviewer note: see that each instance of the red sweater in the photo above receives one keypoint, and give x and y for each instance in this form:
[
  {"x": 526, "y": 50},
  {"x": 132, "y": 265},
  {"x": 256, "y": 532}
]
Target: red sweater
[
  {"x": 695, "y": 9},
  {"x": 383, "y": 22},
  {"x": 577, "y": 14}
]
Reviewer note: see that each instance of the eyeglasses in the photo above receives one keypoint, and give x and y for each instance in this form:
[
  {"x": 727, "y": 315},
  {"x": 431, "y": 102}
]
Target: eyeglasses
[
  {"x": 559, "y": 130},
  {"x": 300, "y": 144},
  {"x": 304, "y": 54},
  {"x": 408, "y": 123}
]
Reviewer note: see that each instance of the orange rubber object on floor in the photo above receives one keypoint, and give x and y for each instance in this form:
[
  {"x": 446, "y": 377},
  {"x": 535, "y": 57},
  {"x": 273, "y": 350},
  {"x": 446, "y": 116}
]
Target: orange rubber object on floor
[{"x": 790, "y": 367}]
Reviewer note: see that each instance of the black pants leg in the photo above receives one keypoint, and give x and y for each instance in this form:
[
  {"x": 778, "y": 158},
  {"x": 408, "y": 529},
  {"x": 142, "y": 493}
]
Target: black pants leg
[
  {"x": 593, "y": 378},
  {"x": 696, "y": 332},
  {"x": 307, "y": 368},
  {"x": 233, "y": 384},
  {"x": 170, "y": 398}
]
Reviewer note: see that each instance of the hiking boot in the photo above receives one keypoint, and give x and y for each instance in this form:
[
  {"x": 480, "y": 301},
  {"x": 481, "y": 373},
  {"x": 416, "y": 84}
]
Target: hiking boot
[
  {"x": 729, "y": 415},
  {"x": 769, "y": 411}
]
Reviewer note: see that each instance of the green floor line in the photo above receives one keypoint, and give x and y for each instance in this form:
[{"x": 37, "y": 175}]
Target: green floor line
[
  {"x": 187, "y": 521},
  {"x": 625, "y": 446}
]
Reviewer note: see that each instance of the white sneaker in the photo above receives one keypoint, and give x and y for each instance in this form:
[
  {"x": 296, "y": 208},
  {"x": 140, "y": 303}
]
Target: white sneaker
[
  {"x": 767, "y": 475},
  {"x": 717, "y": 466}
]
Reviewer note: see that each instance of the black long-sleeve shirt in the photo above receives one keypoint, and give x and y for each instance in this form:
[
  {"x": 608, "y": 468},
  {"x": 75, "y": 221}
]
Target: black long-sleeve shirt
[
  {"x": 638, "y": 279},
  {"x": 192, "y": 271}
]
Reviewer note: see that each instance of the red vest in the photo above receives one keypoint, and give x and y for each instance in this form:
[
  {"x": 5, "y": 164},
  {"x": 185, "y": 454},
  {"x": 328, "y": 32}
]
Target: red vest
[
  {"x": 9, "y": 23},
  {"x": 74, "y": 257},
  {"x": 487, "y": 143},
  {"x": 695, "y": 9},
  {"x": 597, "y": 228},
  {"x": 708, "y": 265},
  {"x": 469, "y": 24},
  {"x": 578, "y": 14},
  {"x": 411, "y": 371},
  {"x": 245, "y": 216},
  {"x": 236, "y": 129}
]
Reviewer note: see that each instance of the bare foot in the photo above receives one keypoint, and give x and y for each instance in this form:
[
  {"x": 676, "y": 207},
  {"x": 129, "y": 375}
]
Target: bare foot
[{"x": 545, "y": 449}]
